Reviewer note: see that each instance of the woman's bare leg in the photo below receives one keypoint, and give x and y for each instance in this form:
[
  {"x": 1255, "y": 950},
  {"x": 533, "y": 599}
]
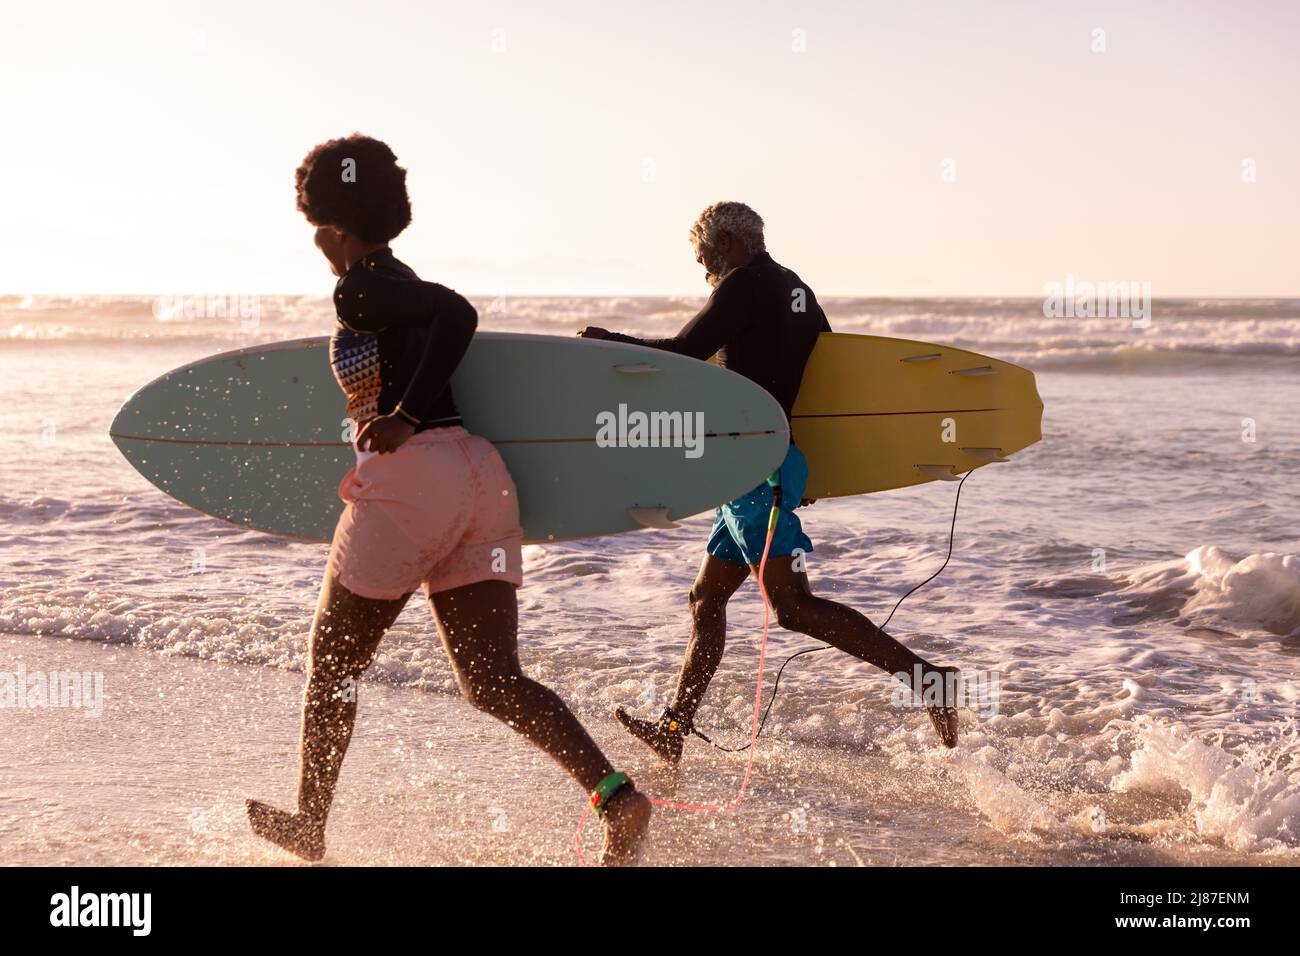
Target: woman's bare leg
[
  {"x": 479, "y": 627},
  {"x": 345, "y": 634}
]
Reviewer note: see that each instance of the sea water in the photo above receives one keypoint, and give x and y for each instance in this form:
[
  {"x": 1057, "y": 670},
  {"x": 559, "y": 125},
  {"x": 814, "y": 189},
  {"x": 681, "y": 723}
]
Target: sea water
[{"x": 1132, "y": 582}]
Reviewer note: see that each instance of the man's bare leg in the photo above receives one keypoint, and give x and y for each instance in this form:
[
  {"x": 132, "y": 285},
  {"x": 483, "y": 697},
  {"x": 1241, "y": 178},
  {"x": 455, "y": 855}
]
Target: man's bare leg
[
  {"x": 714, "y": 585},
  {"x": 798, "y": 609}
]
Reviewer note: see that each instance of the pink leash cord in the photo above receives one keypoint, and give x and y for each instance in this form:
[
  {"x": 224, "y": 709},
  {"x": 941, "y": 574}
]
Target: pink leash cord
[{"x": 758, "y": 701}]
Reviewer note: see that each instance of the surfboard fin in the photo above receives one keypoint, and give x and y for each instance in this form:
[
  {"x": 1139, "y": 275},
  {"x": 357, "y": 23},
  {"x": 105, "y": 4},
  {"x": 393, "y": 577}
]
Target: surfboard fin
[
  {"x": 985, "y": 454},
  {"x": 651, "y": 517},
  {"x": 977, "y": 370},
  {"x": 941, "y": 472},
  {"x": 641, "y": 368},
  {"x": 923, "y": 358}
]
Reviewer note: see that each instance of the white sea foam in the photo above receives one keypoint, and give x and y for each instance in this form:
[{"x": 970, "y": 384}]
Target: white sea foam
[{"x": 1248, "y": 801}]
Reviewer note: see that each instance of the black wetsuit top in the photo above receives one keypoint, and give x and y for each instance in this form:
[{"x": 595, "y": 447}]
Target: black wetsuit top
[
  {"x": 762, "y": 321},
  {"x": 397, "y": 343}
]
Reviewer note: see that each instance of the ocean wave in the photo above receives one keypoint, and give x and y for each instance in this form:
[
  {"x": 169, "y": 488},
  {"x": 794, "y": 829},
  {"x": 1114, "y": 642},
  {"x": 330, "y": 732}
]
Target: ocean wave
[
  {"x": 1257, "y": 595},
  {"x": 1157, "y": 358},
  {"x": 1182, "y": 332}
]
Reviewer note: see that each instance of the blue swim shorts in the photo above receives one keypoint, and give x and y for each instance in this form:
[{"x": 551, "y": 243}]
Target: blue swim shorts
[{"x": 740, "y": 526}]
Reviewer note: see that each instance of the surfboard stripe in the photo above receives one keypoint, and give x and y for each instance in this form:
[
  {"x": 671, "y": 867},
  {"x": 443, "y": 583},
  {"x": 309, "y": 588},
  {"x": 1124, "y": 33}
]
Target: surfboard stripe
[
  {"x": 343, "y": 444},
  {"x": 936, "y": 411},
  {"x": 227, "y": 444}
]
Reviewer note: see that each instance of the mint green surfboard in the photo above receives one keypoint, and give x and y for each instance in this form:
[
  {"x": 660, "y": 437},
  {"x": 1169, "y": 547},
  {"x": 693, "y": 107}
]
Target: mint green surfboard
[{"x": 257, "y": 437}]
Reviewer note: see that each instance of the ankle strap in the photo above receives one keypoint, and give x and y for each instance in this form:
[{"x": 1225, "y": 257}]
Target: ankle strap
[
  {"x": 674, "y": 723},
  {"x": 607, "y": 787}
]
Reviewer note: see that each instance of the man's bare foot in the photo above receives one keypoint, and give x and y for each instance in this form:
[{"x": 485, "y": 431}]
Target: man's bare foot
[
  {"x": 946, "y": 724},
  {"x": 627, "y": 817},
  {"x": 944, "y": 719},
  {"x": 290, "y": 831},
  {"x": 667, "y": 744}
]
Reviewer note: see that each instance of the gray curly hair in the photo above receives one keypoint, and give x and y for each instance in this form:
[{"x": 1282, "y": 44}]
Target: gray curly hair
[{"x": 745, "y": 225}]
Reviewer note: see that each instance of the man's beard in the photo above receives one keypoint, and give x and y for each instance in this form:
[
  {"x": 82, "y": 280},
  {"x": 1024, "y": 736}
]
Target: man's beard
[{"x": 716, "y": 269}]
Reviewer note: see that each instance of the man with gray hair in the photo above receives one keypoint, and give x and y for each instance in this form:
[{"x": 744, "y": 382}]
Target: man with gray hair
[{"x": 762, "y": 321}]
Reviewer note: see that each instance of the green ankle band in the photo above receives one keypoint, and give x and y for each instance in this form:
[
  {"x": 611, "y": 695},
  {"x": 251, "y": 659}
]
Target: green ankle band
[{"x": 606, "y": 789}]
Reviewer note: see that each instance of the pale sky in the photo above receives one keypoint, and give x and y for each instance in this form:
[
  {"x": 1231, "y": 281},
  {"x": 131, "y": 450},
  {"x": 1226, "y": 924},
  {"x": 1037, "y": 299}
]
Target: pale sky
[{"x": 150, "y": 147}]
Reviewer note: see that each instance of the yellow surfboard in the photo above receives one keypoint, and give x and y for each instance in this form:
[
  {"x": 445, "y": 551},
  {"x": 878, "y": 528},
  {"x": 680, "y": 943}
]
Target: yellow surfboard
[{"x": 877, "y": 413}]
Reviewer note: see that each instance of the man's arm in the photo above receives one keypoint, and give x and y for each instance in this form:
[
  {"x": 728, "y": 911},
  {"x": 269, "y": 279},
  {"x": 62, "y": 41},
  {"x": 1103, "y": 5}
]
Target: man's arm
[{"x": 723, "y": 317}]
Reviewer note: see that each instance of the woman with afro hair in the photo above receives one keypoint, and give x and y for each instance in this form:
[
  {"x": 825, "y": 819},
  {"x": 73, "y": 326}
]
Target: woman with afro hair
[{"x": 427, "y": 505}]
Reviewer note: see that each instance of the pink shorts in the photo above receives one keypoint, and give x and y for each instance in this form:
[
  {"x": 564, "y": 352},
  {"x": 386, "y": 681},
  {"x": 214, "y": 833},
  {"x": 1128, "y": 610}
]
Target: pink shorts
[{"x": 440, "y": 511}]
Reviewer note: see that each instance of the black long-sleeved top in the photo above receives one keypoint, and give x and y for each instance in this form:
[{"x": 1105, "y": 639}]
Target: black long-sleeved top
[
  {"x": 398, "y": 341},
  {"x": 762, "y": 321}
]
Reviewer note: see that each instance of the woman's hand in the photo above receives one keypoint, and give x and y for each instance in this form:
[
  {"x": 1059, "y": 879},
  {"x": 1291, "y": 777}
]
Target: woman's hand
[
  {"x": 594, "y": 332},
  {"x": 384, "y": 434}
]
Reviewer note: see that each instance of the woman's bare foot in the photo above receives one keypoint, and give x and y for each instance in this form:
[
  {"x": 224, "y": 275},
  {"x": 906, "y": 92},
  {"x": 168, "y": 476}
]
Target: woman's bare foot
[
  {"x": 627, "y": 817},
  {"x": 289, "y": 831}
]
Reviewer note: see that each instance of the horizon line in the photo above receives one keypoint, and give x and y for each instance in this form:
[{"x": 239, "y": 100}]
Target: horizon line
[{"x": 1182, "y": 297}]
